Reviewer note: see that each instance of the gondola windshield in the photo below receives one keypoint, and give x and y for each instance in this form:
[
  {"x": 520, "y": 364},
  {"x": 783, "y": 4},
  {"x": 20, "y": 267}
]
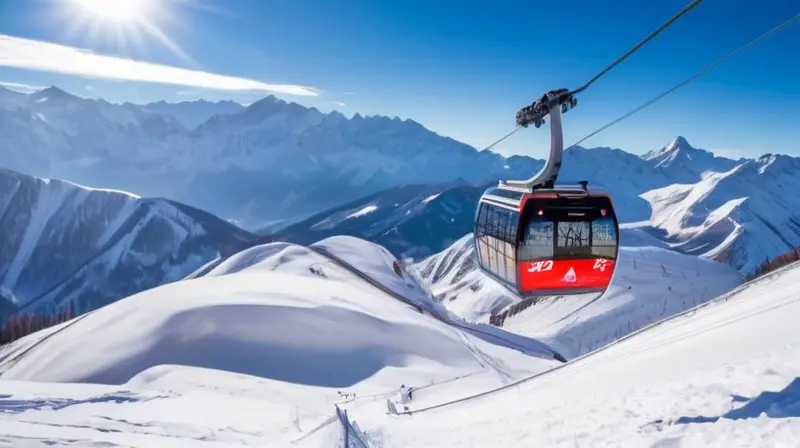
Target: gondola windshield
[{"x": 567, "y": 248}]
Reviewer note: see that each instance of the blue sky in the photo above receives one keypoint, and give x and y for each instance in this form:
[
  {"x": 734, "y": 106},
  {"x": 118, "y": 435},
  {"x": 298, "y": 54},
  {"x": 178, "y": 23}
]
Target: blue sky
[{"x": 462, "y": 69}]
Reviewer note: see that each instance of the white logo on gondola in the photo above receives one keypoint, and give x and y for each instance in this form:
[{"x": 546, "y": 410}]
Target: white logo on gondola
[
  {"x": 600, "y": 264},
  {"x": 570, "y": 276},
  {"x": 541, "y": 266}
]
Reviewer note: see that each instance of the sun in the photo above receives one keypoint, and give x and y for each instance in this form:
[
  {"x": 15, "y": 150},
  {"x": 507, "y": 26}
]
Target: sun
[
  {"x": 125, "y": 23},
  {"x": 114, "y": 11}
]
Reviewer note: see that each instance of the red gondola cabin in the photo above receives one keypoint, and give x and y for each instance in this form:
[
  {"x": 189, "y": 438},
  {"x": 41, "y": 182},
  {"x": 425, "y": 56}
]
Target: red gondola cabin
[{"x": 543, "y": 242}]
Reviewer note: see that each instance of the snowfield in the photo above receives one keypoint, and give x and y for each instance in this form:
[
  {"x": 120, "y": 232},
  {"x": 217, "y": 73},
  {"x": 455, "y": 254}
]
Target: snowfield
[
  {"x": 261, "y": 348},
  {"x": 289, "y": 326},
  {"x": 724, "y": 375}
]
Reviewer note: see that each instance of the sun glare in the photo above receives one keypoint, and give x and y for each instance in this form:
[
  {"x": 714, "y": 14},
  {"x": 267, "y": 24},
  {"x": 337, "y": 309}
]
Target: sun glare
[
  {"x": 114, "y": 10},
  {"x": 126, "y": 23}
]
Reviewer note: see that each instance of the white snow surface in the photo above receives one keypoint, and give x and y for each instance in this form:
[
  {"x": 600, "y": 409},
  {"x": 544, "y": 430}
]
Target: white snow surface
[
  {"x": 266, "y": 311},
  {"x": 274, "y": 332},
  {"x": 722, "y": 375},
  {"x": 742, "y": 215}
]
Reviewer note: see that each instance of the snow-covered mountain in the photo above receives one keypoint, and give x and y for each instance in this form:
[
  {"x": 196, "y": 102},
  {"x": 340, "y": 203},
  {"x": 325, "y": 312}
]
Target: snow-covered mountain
[
  {"x": 274, "y": 163},
  {"x": 192, "y": 114},
  {"x": 740, "y": 212},
  {"x": 276, "y": 293},
  {"x": 63, "y": 243},
  {"x": 271, "y": 160},
  {"x": 742, "y": 215},
  {"x": 411, "y": 221},
  {"x": 686, "y": 164}
]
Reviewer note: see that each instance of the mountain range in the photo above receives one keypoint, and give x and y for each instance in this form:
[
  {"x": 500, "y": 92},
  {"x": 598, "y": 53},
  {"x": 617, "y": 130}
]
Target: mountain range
[
  {"x": 294, "y": 173},
  {"x": 678, "y": 197},
  {"x": 411, "y": 221},
  {"x": 269, "y": 161}
]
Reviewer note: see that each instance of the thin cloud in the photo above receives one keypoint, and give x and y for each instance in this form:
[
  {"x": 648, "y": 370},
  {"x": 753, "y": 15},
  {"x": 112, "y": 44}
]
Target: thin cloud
[
  {"x": 349, "y": 93},
  {"x": 20, "y": 87},
  {"x": 48, "y": 57},
  {"x": 338, "y": 103}
]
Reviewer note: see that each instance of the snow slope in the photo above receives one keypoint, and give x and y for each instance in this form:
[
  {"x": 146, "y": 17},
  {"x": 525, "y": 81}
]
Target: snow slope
[
  {"x": 65, "y": 244},
  {"x": 724, "y": 375},
  {"x": 266, "y": 311},
  {"x": 650, "y": 284},
  {"x": 743, "y": 216},
  {"x": 273, "y": 333},
  {"x": 166, "y": 406}
]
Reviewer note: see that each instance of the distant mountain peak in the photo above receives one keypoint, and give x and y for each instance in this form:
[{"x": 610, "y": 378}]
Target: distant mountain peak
[
  {"x": 269, "y": 99},
  {"x": 680, "y": 142},
  {"x": 671, "y": 150},
  {"x": 53, "y": 92}
]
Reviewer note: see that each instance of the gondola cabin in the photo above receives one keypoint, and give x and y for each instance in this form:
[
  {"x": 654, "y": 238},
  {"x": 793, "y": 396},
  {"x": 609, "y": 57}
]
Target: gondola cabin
[{"x": 544, "y": 242}]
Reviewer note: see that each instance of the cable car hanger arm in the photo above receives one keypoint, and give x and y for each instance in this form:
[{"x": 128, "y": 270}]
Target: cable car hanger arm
[{"x": 553, "y": 103}]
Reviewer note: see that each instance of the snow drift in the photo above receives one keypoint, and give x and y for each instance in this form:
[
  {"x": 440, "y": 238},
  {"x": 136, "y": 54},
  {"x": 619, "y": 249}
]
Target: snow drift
[{"x": 276, "y": 311}]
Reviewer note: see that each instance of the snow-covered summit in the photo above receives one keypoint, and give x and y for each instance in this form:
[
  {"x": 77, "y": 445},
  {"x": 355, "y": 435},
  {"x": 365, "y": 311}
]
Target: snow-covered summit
[
  {"x": 687, "y": 164},
  {"x": 743, "y": 216},
  {"x": 192, "y": 114}
]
